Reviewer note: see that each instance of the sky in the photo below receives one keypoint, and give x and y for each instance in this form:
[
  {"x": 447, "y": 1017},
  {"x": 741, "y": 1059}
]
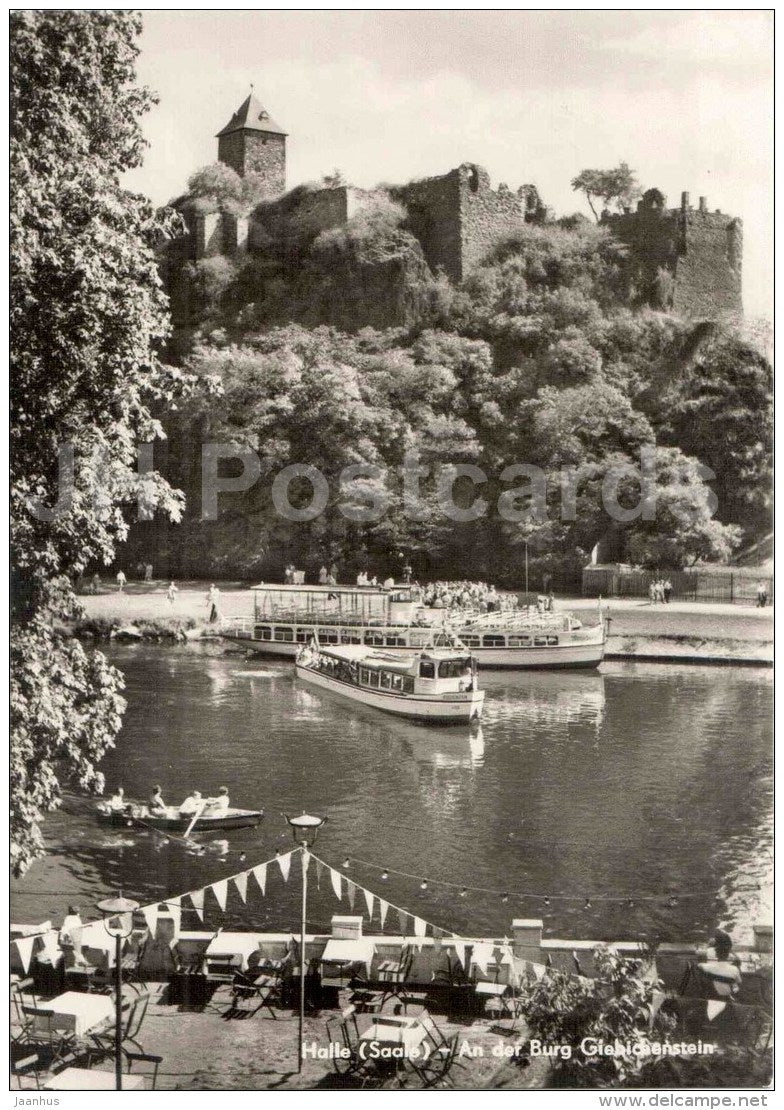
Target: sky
[{"x": 686, "y": 98}]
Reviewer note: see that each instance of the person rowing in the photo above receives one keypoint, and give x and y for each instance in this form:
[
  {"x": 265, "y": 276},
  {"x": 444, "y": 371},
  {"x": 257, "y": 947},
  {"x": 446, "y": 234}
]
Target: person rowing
[
  {"x": 220, "y": 805},
  {"x": 157, "y": 805}
]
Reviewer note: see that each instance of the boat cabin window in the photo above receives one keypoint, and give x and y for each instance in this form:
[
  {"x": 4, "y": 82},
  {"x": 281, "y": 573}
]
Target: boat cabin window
[
  {"x": 263, "y": 632},
  {"x": 408, "y": 684},
  {"x": 420, "y": 639},
  {"x": 427, "y": 669},
  {"x": 395, "y": 641},
  {"x": 519, "y": 641},
  {"x": 350, "y": 636},
  {"x": 304, "y": 635},
  {"x": 374, "y": 638},
  {"x": 286, "y": 635},
  {"x": 329, "y": 635},
  {"x": 374, "y": 677},
  {"x": 397, "y": 682},
  {"x": 386, "y": 680},
  {"x": 471, "y": 641},
  {"x": 454, "y": 668},
  {"x": 494, "y": 641}
]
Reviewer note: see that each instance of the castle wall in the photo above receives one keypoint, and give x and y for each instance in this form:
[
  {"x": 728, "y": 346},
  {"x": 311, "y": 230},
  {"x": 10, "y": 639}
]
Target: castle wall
[
  {"x": 433, "y": 206},
  {"x": 458, "y": 218},
  {"x": 708, "y": 274},
  {"x": 257, "y": 152},
  {"x": 685, "y": 259},
  {"x": 486, "y": 215}
]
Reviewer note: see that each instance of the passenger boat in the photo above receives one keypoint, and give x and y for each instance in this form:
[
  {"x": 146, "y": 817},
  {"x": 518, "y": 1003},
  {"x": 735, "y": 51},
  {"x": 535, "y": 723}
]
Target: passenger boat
[
  {"x": 285, "y": 617},
  {"x": 436, "y": 686},
  {"x": 139, "y": 816}
]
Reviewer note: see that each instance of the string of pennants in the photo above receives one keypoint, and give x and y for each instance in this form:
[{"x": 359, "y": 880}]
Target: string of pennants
[{"x": 94, "y": 935}]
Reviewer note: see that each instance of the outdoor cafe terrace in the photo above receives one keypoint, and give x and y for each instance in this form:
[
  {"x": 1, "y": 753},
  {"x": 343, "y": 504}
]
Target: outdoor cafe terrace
[{"x": 217, "y": 1009}]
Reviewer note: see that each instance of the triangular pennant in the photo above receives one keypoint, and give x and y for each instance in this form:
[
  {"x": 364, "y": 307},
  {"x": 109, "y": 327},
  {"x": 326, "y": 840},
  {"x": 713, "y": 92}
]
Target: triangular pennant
[
  {"x": 260, "y": 875},
  {"x": 460, "y": 952},
  {"x": 220, "y": 890},
  {"x": 319, "y": 871},
  {"x": 175, "y": 910},
  {"x": 51, "y": 947},
  {"x": 715, "y": 1008},
  {"x": 197, "y": 900},
  {"x": 284, "y": 863},
  {"x": 369, "y": 899},
  {"x": 539, "y": 970},
  {"x": 383, "y": 909},
  {"x": 420, "y": 927},
  {"x": 25, "y": 946},
  {"x": 351, "y": 890},
  {"x": 335, "y": 879},
  {"x": 241, "y": 883},
  {"x": 151, "y": 917},
  {"x": 91, "y": 935}
]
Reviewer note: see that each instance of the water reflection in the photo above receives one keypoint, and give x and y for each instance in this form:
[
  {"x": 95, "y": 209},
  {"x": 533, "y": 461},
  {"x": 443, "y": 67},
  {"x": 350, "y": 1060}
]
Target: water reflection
[{"x": 641, "y": 780}]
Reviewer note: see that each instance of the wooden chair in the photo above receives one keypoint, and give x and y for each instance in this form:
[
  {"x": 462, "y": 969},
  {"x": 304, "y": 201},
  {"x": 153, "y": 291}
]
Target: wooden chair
[
  {"x": 436, "y": 1068},
  {"x": 27, "y": 1069},
  {"x": 344, "y": 1031},
  {"x": 144, "y": 1058},
  {"x": 264, "y": 989}
]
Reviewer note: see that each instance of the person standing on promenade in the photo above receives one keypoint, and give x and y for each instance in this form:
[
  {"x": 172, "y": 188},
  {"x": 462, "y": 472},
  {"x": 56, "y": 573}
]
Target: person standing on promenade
[
  {"x": 121, "y": 580},
  {"x": 96, "y": 581},
  {"x": 667, "y": 588},
  {"x": 652, "y": 593},
  {"x": 148, "y": 572},
  {"x": 323, "y": 573},
  {"x": 171, "y": 593},
  {"x": 213, "y": 597},
  {"x": 333, "y": 571},
  {"x": 762, "y": 595}
]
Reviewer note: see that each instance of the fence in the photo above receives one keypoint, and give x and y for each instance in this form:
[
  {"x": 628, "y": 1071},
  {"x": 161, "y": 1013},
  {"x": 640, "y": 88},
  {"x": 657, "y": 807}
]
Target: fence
[{"x": 737, "y": 585}]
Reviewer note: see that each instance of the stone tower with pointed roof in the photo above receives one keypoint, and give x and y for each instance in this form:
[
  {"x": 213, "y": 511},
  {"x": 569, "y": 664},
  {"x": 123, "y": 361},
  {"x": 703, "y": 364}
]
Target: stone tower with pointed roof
[{"x": 251, "y": 142}]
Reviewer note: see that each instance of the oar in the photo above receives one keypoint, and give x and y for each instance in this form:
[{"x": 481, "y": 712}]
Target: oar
[{"x": 195, "y": 818}]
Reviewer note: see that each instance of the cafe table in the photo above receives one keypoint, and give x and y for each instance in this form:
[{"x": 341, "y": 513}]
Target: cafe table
[
  {"x": 233, "y": 944},
  {"x": 78, "y": 1013},
  {"x": 84, "y": 1079},
  {"x": 387, "y": 1029}
]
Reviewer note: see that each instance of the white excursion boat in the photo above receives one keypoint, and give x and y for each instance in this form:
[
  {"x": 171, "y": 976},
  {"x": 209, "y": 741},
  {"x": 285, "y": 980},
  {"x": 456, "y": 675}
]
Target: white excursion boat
[
  {"x": 286, "y": 617},
  {"x": 435, "y": 686}
]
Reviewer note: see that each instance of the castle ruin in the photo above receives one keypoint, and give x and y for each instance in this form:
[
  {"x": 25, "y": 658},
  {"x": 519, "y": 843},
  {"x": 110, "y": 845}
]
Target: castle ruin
[{"x": 681, "y": 259}]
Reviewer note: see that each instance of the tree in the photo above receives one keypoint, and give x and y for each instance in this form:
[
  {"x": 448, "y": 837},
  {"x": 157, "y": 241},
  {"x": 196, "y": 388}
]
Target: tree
[
  {"x": 618, "y": 186},
  {"x": 566, "y": 1009},
  {"x": 87, "y": 313}
]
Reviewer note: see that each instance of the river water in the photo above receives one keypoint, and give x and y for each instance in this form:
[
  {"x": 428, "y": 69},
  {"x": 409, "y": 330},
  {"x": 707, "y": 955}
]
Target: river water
[{"x": 637, "y": 783}]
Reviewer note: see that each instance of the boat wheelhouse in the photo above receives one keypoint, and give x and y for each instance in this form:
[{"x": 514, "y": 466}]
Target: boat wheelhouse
[
  {"x": 285, "y": 617},
  {"x": 435, "y": 686}
]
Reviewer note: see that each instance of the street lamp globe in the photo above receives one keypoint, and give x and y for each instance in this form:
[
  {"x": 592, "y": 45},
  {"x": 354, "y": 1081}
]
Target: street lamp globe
[
  {"x": 118, "y": 914},
  {"x": 305, "y": 828}
]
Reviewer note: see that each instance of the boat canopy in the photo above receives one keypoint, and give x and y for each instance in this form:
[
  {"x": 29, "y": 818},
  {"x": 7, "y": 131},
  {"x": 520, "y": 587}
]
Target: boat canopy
[{"x": 322, "y": 604}]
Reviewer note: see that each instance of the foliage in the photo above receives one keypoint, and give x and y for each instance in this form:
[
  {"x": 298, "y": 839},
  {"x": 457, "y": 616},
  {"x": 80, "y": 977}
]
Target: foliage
[
  {"x": 617, "y": 186},
  {"x": 565, "y": 1009},
  {"x": 87, "y": 313},
  {"x": 219, "y": 188}
]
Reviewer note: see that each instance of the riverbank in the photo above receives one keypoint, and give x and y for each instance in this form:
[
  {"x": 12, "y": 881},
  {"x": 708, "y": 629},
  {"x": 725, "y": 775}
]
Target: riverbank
[{"x": 678, "y": 632}]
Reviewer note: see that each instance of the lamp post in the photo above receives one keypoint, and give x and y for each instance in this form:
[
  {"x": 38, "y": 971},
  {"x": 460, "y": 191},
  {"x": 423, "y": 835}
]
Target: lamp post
[
  {"x": 118, "y": 921},
  {"x": 526, "y": 570},
  {"x": 304, "y": 830}
]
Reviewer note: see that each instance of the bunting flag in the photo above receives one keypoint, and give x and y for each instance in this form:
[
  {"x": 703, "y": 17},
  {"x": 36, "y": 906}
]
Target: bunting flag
[
  {"x": 51, "y": 947},
  {"x": 241, "y": 883},
  {"x": 539, "y": 970},
  {"x": 351, "y": 890},
  {"x": 220, "y": 890},
  {"x": 460, "y": 952},
  {"x": 335, "y": 878},
  {"x": 319, "y": 871},
  {"x": 25, "y": 946},
  {"x": 197, "y": 901},
  {"x": 175, "y": 909},
  {"x": 260, "y": 875},
  {"x": 151, "y": 916},
  {"x": 369, "y": 899},
  {"x": 715, "y": 1008},
  {"x": 420, "y": 927},
  {"x": 383, "y": 909},
  {"x": 284, "y": 863}
]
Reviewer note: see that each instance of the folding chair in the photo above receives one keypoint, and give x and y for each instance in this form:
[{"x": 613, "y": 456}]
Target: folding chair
[
  {"x": 344, "y": 1031},
  {"x": 145, "y": 1058},
  {"x": 27, "y": 1069}
]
